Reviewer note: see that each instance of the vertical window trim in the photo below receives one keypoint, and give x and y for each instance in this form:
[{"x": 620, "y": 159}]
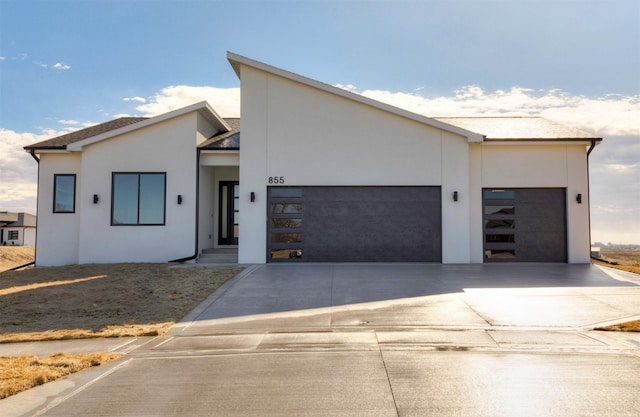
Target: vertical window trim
[
  {"x": 55, "y": 193},
  {"x": 164, "y": 202}
]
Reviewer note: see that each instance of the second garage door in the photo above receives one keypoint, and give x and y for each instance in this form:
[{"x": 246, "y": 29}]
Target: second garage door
[{"x": 354, "y": 224}]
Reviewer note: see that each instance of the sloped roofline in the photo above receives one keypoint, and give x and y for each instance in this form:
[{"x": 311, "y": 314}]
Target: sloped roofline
[
  {"x": 237, "y": 61},
  {"x": 202, "y": 107}
]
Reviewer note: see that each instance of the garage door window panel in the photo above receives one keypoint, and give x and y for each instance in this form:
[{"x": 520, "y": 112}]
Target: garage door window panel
[
  {"x": 358, "y": 224},
  {"x": 526, "y": 225}
]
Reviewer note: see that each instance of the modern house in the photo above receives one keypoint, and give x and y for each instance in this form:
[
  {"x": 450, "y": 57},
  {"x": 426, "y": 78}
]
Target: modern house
[
  {"x": 17, "y": 229},
  {"x": 321, "y": 175}
]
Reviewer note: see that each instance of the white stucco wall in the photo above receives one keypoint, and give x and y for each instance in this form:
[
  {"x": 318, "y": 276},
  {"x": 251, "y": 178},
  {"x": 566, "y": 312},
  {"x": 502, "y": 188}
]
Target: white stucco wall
[
  {"x": 253, "y": 166},
  {"x": 310, "y": 137},
  {"x": 455, "y": 214},
  {"x": 167, "y": 146},
  {"x": 57, "y": 242},
  {"x": 29, "y": 236},
  {"x": 26, "y": 236},
  {"x": 562, "y": 165}
]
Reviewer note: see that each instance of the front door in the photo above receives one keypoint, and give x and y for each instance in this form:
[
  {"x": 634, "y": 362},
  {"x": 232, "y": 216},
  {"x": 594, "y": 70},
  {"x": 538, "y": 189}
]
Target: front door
[{"x": 229, "y": 204}]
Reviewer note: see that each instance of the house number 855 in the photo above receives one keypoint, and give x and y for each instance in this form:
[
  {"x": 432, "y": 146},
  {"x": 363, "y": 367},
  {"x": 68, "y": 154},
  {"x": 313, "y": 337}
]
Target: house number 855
[{"x": 276, "y": 180}]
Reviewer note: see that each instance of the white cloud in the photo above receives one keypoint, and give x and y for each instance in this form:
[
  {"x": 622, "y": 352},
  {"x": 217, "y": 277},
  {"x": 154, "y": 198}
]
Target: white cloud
[
  {"x": 225, "y": 101},
  {"x": 348, "y": 87},
  {"x": 607, "y": 115},
  {"x": 136, "y": 98},
  {"x": 69, "y": 122},
  {"x": 2, "y": 58},
  {"x": 18, "y": 171},
  {"x": 61, "y": 66}
]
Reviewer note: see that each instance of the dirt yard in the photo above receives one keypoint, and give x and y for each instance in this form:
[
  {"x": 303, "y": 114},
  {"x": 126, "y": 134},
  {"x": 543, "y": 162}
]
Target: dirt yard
[
  {"x": 93, "y": 298},
  {"x": 627, "y": 260},
  {"x": 92, "y": 301},
  {"x": 12, "y": 256}
]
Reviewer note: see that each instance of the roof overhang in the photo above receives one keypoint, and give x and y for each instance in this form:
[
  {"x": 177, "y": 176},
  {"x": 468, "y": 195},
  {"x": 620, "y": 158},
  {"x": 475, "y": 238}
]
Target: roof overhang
[
  {"x": 202, "y": 107},
  {"x": 237, "y": 61}
]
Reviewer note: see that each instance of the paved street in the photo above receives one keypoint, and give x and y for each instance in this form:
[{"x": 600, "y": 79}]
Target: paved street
[{"x": 376, "y": 340}]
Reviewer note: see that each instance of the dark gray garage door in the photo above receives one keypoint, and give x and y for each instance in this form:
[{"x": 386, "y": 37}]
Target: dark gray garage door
[
  {"x": 525, "y": 225},
  {"x": 354, "y": 224}
]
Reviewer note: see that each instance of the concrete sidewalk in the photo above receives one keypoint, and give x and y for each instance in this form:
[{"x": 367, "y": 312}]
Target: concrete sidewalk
[{"x": 376, "y": 340}]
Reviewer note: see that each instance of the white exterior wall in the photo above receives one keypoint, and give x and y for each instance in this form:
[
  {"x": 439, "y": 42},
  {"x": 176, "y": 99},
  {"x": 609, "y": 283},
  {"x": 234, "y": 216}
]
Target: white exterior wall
[
  {"x": 543, "y": 166},
  {"x": 476, "y": 232},
  {"x": 578, "y": 224},
  {"x": 57, "y": 242},
  {"x": 29, "y": 237},
  {"x": 311, "y": 137},
  {"x": 455, "y": 214},
  {"x": 26, "y": 236},
  {"x": 168, "y": 146},
  {"x": 253, "y": 164}
]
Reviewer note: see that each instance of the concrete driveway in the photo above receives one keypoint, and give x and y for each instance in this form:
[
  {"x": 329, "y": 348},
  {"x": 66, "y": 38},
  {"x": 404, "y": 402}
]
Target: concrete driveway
[{"x": 378, "y": 340}]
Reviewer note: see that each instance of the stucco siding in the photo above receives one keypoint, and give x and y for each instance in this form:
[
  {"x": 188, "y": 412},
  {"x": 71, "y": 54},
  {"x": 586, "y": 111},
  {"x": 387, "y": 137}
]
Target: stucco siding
[
  {"x": 307, "y": 137},
  {"x": 578, "y": 227},
  {"x": 455, "y": 214},
  {"x": 545, "y": 166},
  {"x": 253, "y": 163},
  {"x": 524, "y": 165},
  {"x": 316, "y": 138},
  {"x": 167, "y": 147},
  {"x": 57, "y": 242}
]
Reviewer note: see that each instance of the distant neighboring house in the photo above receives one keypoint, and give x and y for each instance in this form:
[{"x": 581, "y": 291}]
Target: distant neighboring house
[
  {"x": 321, "y": 175},
  {"x": 17, "y": 229}
]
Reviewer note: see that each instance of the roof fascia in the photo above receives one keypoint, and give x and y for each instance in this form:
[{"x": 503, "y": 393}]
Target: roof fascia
[
  {"x": 566, "y": 141},
  {"x": 237, "y": 61},
  {"x": 202, "y": 107}
]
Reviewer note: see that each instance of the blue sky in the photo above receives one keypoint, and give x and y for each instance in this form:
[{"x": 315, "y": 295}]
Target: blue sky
[{"x": 69, "y": 64}]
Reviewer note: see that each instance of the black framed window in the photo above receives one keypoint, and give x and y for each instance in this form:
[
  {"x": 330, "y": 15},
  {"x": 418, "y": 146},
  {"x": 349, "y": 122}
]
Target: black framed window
[
  {"x": 64, "y": 193},
  {"x": 138, "y": 198},
  {"x": 13, "y": 235}
]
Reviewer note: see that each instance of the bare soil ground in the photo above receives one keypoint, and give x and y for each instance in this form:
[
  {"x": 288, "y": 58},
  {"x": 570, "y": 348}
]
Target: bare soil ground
[
  {"x": 83, "y": 301},
  {"x": 12, "y": 256}
]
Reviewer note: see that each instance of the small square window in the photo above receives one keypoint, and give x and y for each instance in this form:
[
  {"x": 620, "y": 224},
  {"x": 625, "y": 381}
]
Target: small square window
[
  {"x": 64, "y": 193},
  {"x": 12, "y": 235}
]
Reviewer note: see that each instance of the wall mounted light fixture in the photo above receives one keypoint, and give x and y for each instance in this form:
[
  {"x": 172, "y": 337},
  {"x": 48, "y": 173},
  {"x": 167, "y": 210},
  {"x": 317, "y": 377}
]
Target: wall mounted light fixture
[
  {"x": 179, "y": 199},
  {"x": 455, "y": 196},
  {"x": 96, "y": 198},
  {"x": 579, "y": 198},
  {"x": 253, "y": 197}
]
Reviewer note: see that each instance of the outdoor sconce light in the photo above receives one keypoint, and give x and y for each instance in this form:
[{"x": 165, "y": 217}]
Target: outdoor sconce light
[
  {"x": 253, "y": 196},
  {"x": 179, "y": 199},
  {"x": 96, "y": 198},
  {"x": 455, "y": 196},
  {"x": 579, "y": 198}
]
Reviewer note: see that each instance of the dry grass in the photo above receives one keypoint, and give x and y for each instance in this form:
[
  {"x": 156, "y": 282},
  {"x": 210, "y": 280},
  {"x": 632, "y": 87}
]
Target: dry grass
[
  {"x": 84, "y": 301},
  {"x": 627, "y": 260},
  {"x": 630, "y": 326},
  {"x": 12, "y": 256},
  {"x": 101, "y": 300},
  {"x": 23, "y": 372}
]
